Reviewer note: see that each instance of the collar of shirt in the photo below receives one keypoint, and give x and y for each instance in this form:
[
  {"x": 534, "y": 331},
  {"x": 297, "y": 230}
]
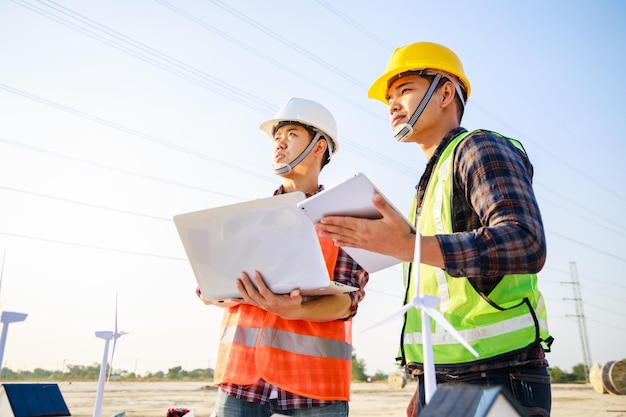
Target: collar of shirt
[
  {"x": 421, "y": 187},
  {"x": 281, "y": 190}
]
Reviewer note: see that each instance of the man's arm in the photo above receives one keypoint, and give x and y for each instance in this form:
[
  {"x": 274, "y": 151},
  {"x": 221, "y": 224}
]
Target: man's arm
[{"x": 505, "y": 234}]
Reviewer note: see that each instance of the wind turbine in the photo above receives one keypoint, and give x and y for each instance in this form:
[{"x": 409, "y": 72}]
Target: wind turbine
[
  {"x": 427, "y": 304},
  {"x": 7, "y": 317},
  {"x": 107, "y": 336}
]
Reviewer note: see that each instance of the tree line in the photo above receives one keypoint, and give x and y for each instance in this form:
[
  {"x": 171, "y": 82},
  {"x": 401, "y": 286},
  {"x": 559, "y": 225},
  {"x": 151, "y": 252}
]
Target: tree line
[{"x": 92, "y": 372}]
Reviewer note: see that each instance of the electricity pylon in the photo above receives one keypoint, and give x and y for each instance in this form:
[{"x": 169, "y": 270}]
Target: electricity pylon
[{"x": 580, "y": 316}]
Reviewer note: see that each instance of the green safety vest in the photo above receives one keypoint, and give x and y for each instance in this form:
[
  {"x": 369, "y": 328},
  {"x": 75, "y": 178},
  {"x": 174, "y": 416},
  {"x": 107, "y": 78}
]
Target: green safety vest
[{"x": 513, "y": 316}]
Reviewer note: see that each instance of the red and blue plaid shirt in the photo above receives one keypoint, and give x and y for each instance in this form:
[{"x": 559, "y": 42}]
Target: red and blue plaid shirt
[
  {"x": 496, "y": 223},
  {"x": 348, "y": 272}
]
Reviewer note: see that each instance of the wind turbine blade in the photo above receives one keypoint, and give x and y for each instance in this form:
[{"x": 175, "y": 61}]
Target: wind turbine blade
[
  {"x": 441, "y": 320},
  {"x": 430, "y": 379},
  {"x": 396, "y": 313},
  {"x": 116, "y": 336}
]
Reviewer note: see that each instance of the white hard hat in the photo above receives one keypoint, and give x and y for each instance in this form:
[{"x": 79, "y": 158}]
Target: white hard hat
[{"x": 309, "y": 113}]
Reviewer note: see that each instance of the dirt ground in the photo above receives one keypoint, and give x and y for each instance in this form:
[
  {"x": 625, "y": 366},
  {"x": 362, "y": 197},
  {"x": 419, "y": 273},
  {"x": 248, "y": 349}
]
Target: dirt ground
[{"x": 147, "y": 399}]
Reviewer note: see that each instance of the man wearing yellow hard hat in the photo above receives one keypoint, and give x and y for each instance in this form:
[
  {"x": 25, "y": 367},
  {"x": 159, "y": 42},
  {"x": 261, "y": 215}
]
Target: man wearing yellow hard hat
[{"x": 482, "y": 239}]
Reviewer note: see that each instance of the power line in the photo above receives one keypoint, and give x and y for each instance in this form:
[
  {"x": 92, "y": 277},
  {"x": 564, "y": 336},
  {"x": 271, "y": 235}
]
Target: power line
[
  {"x": 585, "y": 245},
  {"x": 355, "y": 146},
  {"x": 82, "y": 203},
  {"x": 587, "y": 278},
  {"x": 611, "y": 191},
  {"x": 266, "y": 57},
  {"x": 603, "y": 323},
  {"x": 143, "y": 48},
  {"x": 604, "y": 296},
  {"x": 133, "y": 132},
  {"x": 269, "y": 32},
  {"x": 178, "y": 68},
  {"x": 147, "y": 54},
  {"x": 291, "y": 45},
  {"x": 355, "y": 24},
  {"x": 119, "y": 170},
  {"x": 610, "y": 227},
  {"x": 605, "y": 309},
  {"x": 600, "y": 322},
  {"x": 84, "y": 245}
]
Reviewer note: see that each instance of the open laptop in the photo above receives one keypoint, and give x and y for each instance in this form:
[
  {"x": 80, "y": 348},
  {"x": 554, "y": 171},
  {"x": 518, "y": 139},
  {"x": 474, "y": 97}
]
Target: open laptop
[
  {"x": 352, "y": 197},
  {"x": 269, "y": 235}
]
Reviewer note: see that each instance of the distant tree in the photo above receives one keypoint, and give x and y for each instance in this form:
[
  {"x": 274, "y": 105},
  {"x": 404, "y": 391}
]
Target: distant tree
[
  {"x": 9, "y": 374},
  {"x": 201, "y": 374},
  {"x": 358, "y": 369},
  {"x": 81, "y": 372},
  {"x": 579, "y": 371},
  {"x": 175, "y": 372},
  {"x": 41, "y": 373},
  {"x": 559, "y": 376},
  {"x": 380, "y": 376}
]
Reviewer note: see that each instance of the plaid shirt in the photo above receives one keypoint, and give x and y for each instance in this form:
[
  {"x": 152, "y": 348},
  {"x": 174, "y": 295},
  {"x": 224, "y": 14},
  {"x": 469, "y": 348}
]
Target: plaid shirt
[
  {"x": 496, "y": 222},
  {"x": 348, "y": 272}
]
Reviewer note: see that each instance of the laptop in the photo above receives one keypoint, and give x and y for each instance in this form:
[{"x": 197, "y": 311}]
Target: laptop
[
  {"x": 270, "y": 235},
  {"x": 352, "y": 197}
]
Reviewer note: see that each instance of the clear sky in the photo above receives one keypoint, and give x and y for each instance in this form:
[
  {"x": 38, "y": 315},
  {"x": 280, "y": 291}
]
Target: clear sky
[{"x": 115, "y": 116}]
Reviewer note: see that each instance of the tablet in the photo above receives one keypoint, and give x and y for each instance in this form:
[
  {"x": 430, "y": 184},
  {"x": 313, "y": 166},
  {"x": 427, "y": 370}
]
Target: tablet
[
  {"x": 353, "y": 198},
  {"x": 269, "y": 235}
]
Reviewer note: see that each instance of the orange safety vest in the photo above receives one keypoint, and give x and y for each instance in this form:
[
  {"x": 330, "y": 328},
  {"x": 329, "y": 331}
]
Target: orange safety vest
[{"x": 311, "y": 359}]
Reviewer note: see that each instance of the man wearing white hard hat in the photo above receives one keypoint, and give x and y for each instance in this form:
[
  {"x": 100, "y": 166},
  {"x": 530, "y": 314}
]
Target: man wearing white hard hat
[{"x": 284, "y": 353}]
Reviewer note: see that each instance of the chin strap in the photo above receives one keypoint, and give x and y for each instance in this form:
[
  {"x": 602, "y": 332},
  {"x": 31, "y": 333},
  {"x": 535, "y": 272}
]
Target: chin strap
[
  {"x": 285, "y": 168},
  {"x": 405, "y": 130}
]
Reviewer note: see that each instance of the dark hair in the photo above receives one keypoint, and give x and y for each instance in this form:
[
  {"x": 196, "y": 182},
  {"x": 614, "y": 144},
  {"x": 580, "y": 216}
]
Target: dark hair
[
  {"x": 460, "y": 108},
  {"x": 327, "y": 154}
]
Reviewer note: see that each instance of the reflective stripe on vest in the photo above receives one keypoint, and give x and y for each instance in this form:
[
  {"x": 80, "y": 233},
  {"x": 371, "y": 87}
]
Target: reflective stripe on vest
[
  {"x": 306, "y": 345},
  {"x": 478, "y": 333},
  {"x": 240, "y": 335},
  {"x": 310, "y": 359},
  {"x": 518, "y": 318}
]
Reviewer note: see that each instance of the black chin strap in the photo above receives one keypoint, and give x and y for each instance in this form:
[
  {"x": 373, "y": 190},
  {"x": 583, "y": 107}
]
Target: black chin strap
[{"x": 285, "y": 168}]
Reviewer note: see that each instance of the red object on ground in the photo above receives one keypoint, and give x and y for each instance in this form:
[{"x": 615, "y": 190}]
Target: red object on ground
[{"x": 176, "y": 412}]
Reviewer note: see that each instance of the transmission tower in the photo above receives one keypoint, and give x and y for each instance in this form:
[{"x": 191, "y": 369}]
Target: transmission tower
[{"x": 580, "y": 316}]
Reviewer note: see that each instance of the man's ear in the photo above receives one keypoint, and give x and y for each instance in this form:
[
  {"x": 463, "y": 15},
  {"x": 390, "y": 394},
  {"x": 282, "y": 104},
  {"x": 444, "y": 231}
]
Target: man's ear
[
  {"x": 447, "y": 93},
  {"x": 320, "y": 146}
]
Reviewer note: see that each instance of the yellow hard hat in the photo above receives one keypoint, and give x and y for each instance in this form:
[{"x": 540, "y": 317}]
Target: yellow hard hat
[{"x": 416, "y": 56}]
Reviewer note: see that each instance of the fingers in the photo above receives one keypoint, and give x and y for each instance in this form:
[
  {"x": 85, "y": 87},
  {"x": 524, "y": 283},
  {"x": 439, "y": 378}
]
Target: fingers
[
  {"x": 333, "y": 224},
  {"x": 253, "y": 293},
  {"x": 343, "y": 230},
  {"x": 390, "y": 215},
  {"x": 381, "y": 204},
  {"x": 245, "y": 286},
  {"x": 260, "y": 284}
]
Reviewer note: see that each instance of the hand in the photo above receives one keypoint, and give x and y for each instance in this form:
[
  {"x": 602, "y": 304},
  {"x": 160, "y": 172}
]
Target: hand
[
  {"x": 284, "y": 305},
  {"x": 411, "y": 409},
  {"x": 229, "y": 302},
  {"x": 389, "y": 235}
]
